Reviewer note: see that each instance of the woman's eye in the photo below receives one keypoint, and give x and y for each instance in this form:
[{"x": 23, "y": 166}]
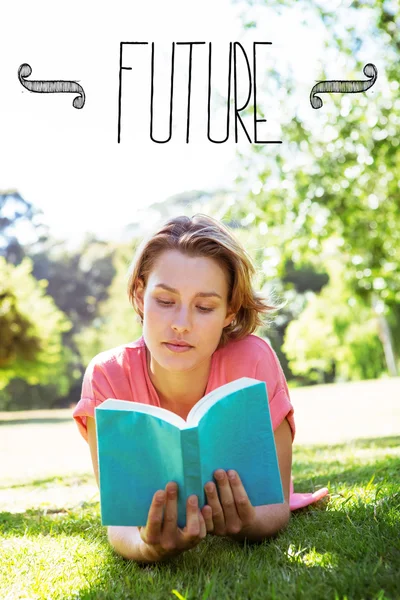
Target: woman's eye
[
  {"x": 164, "y": 302},
  {"x": 203, "y": 309}
]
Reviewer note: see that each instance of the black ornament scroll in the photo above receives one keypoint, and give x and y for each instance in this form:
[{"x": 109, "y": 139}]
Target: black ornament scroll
[
  {"x": 51, "y": 87},
  {"x": 346, "y": 87}
]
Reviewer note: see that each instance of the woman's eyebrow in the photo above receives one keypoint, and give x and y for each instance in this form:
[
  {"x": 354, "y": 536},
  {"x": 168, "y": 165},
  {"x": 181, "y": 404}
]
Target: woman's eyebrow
[{"x": 168, "y": 288}]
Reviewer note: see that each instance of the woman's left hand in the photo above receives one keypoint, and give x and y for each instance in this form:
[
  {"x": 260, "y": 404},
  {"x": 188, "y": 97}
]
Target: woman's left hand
[{"x": 229, "y": 510}]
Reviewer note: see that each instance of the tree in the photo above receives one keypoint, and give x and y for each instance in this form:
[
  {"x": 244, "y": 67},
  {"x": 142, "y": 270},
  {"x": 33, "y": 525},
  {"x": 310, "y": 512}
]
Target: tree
[
  {"x": 17, "y": 214},
  {"x": 78, "y": 279},
  {"x": 334, "y": 190},
  {"x": 335, "y": 335},
  {"x": 31, "y": 329},
  {"x": 116, "y": 322}
]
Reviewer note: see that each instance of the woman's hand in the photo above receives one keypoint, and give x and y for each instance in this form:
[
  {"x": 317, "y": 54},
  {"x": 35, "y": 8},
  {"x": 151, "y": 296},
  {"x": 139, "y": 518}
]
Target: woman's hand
[
  {"x": 231, "y": 512},
  {"x": 161, "y": 536}
]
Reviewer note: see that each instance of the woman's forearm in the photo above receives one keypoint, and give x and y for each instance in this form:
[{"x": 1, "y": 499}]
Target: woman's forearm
[
  {"x": 270, "y": 519},
  {"x": 127, "y": 542}
]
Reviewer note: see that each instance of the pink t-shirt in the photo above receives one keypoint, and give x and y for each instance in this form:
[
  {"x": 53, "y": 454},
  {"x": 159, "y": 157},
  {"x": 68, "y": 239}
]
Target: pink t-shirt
[{"x": 122, "y": 373}]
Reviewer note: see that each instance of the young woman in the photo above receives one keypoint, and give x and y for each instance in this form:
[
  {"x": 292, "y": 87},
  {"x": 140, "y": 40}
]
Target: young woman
[{"x": 191, "y": 285}]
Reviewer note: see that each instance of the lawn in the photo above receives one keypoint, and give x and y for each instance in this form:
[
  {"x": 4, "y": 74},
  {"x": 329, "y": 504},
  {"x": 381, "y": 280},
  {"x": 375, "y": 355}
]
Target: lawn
[{"x": 53, "y": 545}]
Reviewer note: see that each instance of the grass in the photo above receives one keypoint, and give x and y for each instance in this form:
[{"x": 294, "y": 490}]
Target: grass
[
  {"x": 52, "y": 545},
  {"x": 347, "y": 548}
]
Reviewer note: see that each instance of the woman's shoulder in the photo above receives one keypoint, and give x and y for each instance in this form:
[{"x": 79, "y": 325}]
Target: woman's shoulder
[
  {"x": 254, "y": 357},
  {"x": 251, "y": 356},
  {"x": 249, "y": 346}
]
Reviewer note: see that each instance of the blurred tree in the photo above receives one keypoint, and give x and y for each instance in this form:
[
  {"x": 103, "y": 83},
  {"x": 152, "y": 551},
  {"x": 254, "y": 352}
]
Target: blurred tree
[
  {"x": 286, "y": 285},
  {"x": 78, "y": 280},
  {"x": 335, "y": 336},
  {"x": 31, "y": 329},
  {"x": 18, "y": 219},
  {"x": 337, "y": 177},
  {"x": 116, "y": 322},
  {"x": 305, "y": 278}
]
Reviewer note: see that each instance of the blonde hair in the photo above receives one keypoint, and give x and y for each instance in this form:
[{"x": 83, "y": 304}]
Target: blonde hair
[{"x": 202, "y": 235}]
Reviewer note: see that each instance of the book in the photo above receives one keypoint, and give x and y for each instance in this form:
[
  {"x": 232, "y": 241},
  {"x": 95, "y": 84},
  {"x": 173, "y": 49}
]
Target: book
[{"x": 142, "y": 447}]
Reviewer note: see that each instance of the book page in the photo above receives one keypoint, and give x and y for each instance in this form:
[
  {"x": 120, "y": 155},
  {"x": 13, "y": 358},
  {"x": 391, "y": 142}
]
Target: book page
[
  {"x": 156, "y": 411},
  {"x": 203, "y": 405}
]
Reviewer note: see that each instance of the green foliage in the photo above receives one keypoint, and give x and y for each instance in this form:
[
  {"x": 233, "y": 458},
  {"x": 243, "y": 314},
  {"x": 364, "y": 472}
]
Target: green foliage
[
  {"x": 116, "y": 322},
  {"x": 336, "y": 333},
  {"x": 333, "y": 189},
  {"x": 31, "y": 329},
  {"x": 77, "y": 279},
  {"x": 304, "y": 278}
]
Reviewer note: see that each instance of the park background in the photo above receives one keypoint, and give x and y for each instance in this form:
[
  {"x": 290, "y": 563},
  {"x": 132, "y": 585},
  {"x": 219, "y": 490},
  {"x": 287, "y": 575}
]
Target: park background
[{"x": 319, "y": 214}]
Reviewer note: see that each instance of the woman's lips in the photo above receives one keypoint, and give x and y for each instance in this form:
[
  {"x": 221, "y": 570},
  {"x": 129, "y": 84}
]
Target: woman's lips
[{"x": 177, "y": 348}]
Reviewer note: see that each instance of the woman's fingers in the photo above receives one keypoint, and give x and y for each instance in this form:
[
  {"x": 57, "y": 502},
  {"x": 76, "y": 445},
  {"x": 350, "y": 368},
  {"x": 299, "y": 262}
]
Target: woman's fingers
[
  {"x": 170, "y": 515},
  {"x": 227, "y": 499},
  {"x": 162, "y": 529},
  {"x": 207, "y": 513},
  {"x": 227, "y": 511},
  {"x": 230, "y": 504},
  {"x": 216, "y": 509},
  {"x": 151, "y": 534},
  {"x": 192, "y": 518},
  {"x": 203, "y": 526},
  {"x": 244, "y": 507}
]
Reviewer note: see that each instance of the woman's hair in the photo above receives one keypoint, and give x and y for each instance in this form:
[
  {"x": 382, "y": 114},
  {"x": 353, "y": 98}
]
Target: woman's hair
[{"x": 202, "y": 235}]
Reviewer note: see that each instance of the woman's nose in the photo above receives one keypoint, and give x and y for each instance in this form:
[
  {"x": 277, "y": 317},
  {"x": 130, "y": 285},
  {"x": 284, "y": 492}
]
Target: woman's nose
[{"x": 181, "y": 320}]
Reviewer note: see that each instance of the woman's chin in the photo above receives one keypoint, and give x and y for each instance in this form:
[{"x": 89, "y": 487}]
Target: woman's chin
[{"x": 174, "y": 364}]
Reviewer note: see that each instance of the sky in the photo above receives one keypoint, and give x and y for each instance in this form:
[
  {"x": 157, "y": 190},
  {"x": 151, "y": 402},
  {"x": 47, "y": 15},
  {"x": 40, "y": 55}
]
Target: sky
[{"x": 67, "y": 161}]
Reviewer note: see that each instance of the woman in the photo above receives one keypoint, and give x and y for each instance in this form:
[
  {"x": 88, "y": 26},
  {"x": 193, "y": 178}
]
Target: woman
[{"x": 190, "y": 283}]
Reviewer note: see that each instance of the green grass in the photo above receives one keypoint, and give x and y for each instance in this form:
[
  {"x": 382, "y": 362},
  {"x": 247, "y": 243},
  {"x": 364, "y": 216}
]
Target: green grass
[{"x": 346, "y": 548}]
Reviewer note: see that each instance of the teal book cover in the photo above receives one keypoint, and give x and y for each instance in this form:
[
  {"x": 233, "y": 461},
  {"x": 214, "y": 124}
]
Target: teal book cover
[{"x": 141, "y": 448}]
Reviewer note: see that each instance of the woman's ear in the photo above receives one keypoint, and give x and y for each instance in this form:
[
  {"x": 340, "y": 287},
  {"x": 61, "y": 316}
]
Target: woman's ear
[
  {"x": 229, "y": 318},
  {"x": 139, "y": 294}
]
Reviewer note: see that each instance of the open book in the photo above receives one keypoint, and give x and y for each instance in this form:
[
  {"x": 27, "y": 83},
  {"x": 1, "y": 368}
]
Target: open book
[{"x": 142, "y": 447}]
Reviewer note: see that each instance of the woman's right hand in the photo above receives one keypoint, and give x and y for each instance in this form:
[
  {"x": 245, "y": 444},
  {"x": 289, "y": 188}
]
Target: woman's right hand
[{"x": 161, "y": 536}]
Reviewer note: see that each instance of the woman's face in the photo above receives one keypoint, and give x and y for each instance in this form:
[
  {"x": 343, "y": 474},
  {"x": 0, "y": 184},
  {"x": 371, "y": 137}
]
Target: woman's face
[{"x": 184, "y": 309}]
